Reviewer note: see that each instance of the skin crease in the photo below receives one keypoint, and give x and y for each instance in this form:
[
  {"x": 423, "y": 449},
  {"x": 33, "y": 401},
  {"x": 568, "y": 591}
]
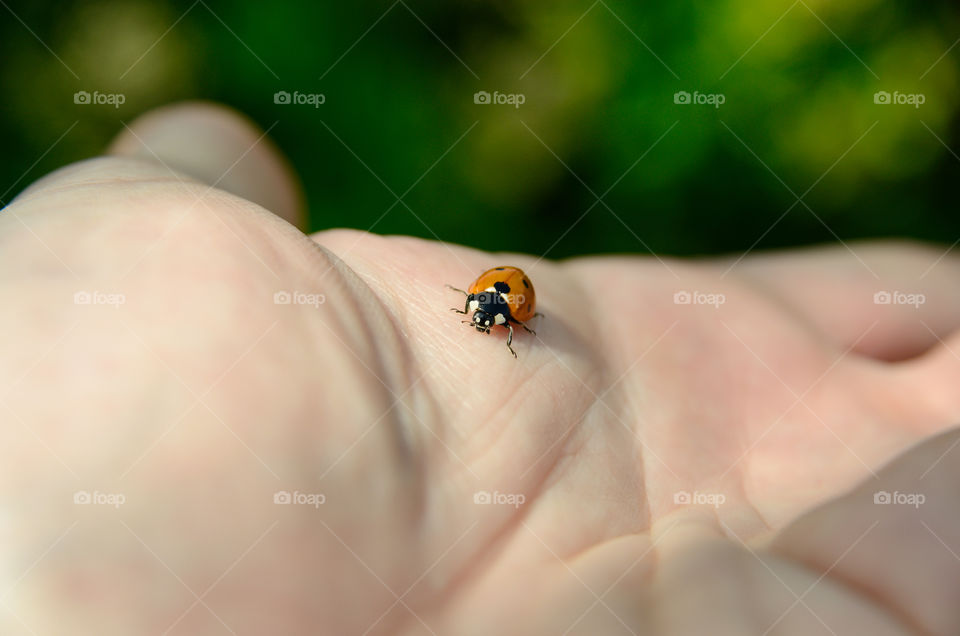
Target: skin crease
[{"x": 199, "y": 397}]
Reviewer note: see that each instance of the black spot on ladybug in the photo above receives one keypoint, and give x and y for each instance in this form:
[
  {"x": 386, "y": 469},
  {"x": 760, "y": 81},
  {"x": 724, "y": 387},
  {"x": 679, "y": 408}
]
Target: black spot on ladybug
[
  {"x": 526, "y": 283},
  {"x": 501, "y": 287},
  {"x": 499, "y": 269}
]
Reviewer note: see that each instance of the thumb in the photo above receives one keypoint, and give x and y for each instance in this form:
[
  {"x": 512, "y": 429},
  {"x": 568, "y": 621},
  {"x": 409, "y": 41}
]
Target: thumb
[{"x": 217, "y": 146}]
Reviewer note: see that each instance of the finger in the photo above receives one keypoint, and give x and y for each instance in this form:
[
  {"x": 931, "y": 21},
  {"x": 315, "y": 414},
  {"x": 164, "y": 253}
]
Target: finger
[
  {"x": 888, "y": 300},
  {"x": 219, "y": 147},
  {"x": 895, "y": 539}
]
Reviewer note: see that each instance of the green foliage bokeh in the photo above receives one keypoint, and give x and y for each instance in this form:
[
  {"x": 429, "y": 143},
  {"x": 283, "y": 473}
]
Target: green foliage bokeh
[{"x": 598, "y": 158}]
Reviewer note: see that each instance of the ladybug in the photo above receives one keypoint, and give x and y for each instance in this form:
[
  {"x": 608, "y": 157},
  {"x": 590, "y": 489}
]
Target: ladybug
[{"x": 500, "y": 296}]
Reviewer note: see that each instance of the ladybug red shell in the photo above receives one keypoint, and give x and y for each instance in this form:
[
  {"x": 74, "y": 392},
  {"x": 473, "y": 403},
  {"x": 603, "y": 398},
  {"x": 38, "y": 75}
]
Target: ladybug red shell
[{"x": 500, "y": 296}]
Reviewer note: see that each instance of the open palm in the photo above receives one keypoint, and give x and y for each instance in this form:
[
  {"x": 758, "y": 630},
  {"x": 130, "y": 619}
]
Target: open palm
[{"x": 683, "y": 447}]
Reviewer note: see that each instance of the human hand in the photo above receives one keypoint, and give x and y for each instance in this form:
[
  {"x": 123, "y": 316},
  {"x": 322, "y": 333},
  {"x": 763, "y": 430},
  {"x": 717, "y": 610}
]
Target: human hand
[{"x": 184, "y": 390}]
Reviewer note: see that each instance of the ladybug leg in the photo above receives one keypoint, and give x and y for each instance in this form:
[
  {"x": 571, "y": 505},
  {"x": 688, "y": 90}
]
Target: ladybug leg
[
  {"x": 466, "y": 305},
  {"x": 529, "y": 330},
  {"x": 510, "y": 340}
]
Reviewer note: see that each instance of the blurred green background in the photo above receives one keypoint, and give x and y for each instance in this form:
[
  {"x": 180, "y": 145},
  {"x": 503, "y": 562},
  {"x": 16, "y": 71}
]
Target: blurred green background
[{"x": 599, "y": 116}]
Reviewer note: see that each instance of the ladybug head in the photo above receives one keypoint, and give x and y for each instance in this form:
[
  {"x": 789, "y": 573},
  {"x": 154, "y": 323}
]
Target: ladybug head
[{"x": 483, "y": 321}]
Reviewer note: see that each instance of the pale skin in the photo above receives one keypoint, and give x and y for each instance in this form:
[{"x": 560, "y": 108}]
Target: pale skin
[{"x": 198, "y": 398}]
